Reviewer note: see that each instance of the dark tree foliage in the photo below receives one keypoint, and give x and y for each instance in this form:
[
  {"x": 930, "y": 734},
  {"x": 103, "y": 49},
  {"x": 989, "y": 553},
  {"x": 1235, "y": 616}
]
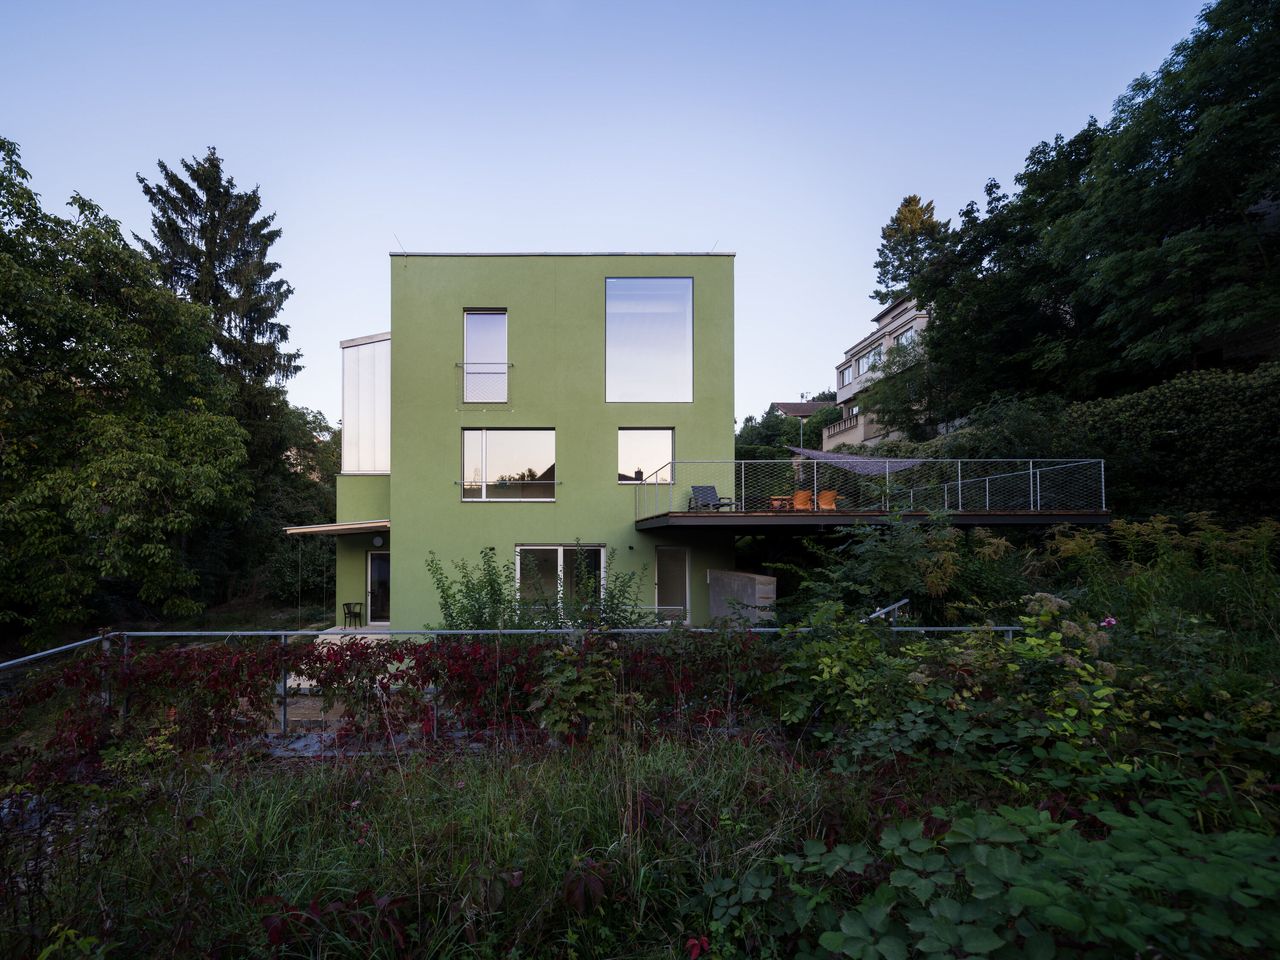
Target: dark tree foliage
[
  {"x": 1131, "y": 251},
  {"x": 767, "y": 437},
  {"x": 211, "y": 242},
  {"x": 1205, "y": 440},
  {"x": 116, "y": 449},
  {"x": 906, "y": 243}
]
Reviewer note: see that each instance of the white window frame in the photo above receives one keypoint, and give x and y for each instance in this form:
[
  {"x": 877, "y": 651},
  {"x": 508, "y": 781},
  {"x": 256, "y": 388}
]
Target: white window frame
[
  {"x": 846, "y": 375},
  {"x": 484, "y": 466},
  {"x": 870, "y": 360},
  {"x": 560, "y": 548},
  {"x": 905, "y": 338},
  {"x": 506, "y": 366}
]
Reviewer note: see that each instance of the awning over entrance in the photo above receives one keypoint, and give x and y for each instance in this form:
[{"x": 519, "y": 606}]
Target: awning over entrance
[{"x": 359, "y": 526}]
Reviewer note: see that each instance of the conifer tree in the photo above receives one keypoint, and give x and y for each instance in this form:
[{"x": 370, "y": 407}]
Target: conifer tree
[
  {"x": 212, "y": 243},
  {"x": 906, "y": 242}
]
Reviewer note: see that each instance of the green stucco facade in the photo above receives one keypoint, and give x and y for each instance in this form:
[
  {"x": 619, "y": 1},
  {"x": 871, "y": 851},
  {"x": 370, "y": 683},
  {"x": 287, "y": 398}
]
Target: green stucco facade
[{"x": 555, "y": 306}]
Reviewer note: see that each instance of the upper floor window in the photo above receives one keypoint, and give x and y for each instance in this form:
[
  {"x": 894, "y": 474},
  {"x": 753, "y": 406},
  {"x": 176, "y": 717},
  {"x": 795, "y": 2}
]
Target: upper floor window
[
  {"x": 508, "y": 464},
  {"x": 905, "y": 338},
  {"x": 366, "y": 404},
  {"x": 484, "y": 361},
  {"x": 645, "y": 454},
  {"x": 869, "y": 360},
  {"x": 846, "y": 376},
  {"x": 648, "y": 340}
]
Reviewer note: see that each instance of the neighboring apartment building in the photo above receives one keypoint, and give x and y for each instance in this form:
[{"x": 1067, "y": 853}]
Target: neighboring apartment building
[
  {"x": 525, "y": 396},
  {"x": 898, "y": 324}
]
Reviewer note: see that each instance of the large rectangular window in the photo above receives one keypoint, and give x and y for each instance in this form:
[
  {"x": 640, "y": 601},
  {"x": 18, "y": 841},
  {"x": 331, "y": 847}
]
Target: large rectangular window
[
  {"x": 648, "y": 340},
  {"x": 366, "y": 404},
  {"x": 484, "y": 362},
  {"x": 552, "y": 575},
  {"x": 508, "y": 464},
  {"x": 645, "y": 454},
  {"x": 870, "y": 360}
]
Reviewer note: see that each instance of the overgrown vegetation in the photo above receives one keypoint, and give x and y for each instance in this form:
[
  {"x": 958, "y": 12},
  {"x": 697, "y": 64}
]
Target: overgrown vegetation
[
  {"x": 1094, "y": 774},
  {"x": 148, "y": 456},
  {"x": 488, "y": 595}
]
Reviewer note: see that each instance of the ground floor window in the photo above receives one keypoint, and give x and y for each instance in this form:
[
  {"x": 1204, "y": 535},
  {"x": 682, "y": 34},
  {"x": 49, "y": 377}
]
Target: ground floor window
[{"x": 558, "y": 574}]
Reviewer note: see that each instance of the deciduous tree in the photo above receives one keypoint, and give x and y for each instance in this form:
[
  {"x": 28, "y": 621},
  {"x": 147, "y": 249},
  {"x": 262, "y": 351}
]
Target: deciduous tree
[{"x": 115, "y": 445}]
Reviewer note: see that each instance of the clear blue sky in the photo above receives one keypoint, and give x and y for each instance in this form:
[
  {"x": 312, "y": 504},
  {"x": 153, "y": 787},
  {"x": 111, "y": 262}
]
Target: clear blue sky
[{"x": 787, "y": 132}]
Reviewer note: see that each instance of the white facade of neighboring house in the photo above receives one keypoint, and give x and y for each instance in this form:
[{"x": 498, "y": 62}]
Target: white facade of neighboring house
[{"x": 896, "y": 325}]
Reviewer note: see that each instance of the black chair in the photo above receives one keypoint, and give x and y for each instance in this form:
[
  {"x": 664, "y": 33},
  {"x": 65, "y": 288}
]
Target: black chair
[
  {"x": 706, "y": 498},
  {"x": 353, "y": 614}
]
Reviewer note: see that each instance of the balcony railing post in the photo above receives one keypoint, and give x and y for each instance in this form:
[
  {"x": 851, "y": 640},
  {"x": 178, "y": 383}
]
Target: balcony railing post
[
  {"x": 284, "y": 686},
  {"x": 1102, "y": 466},
  {"x": 959, "y": 488},
  {"x": 742, "y": 485},
  {"x": 1031, "y": 485},
  {"x": 886, "y": 486},
  {"x": 988, "y": 494}
]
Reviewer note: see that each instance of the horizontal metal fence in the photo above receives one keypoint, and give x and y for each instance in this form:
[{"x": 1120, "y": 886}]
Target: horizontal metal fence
[
  {"x": 865, "y": 485},
  {"x": 480, "y": 679}
]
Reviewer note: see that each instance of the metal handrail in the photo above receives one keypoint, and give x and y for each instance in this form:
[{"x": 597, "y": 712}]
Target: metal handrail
[
  {"x": 33, "y": 657},
  {"x": 892, "y": 609}
]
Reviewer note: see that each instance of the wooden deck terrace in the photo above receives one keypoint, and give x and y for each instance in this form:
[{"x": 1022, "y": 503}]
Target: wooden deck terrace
[{"x": 759, "y": 521}]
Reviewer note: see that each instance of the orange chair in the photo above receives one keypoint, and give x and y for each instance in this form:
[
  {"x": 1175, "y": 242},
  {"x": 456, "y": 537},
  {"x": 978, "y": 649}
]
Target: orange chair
[
  {"x": 803, "y": 500},
  {"x": 826, "y": 500}
]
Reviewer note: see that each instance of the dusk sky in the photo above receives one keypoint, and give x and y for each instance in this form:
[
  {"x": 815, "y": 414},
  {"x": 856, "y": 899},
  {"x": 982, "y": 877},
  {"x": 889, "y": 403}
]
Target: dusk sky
[{"x": 785, "y": 132}]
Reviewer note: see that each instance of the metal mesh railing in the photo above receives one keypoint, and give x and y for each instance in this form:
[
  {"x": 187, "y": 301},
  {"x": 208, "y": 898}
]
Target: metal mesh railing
[
  {"x": 484, "y": 382},
  {"x": 874, "y": 486}
]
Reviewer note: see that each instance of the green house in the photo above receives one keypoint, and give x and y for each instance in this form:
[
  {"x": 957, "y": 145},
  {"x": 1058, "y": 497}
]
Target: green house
[{"x": 523, "y": 402}]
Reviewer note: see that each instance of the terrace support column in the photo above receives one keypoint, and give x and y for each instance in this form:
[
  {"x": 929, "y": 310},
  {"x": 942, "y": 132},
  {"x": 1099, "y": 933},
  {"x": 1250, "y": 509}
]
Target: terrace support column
[{"x": 284, "y": 687}]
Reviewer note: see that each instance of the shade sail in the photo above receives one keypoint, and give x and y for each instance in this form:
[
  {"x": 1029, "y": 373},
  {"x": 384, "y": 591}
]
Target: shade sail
[{"x": 866, "y": 466}]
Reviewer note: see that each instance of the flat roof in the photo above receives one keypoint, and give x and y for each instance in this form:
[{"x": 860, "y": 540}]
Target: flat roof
[
  {"x": 370, "y": 338},
  {"x": 616, "y": 253}
]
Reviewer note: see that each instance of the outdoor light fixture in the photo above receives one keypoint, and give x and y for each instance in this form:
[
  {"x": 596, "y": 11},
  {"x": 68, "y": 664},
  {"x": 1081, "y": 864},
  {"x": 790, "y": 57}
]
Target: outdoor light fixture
[{"x": 377, "y": 541}]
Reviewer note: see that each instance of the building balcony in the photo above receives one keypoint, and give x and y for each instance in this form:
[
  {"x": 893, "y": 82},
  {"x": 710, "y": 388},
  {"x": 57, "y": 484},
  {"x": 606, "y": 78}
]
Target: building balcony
[
  {"x": 825, "y": 490},
  {"x": 842, "y": 431}
]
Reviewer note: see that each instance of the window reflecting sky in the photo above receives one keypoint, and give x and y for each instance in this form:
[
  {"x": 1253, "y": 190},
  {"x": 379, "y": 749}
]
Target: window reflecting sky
[
  {"x": 649, "y": 340},
  {"x": 646, "y": 451},
  {"x": 486, "y": 337},
  {"x": 510, "y": 455}
]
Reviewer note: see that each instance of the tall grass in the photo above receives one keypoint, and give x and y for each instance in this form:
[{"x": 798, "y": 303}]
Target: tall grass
[{"x": 478, "y": 854}]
